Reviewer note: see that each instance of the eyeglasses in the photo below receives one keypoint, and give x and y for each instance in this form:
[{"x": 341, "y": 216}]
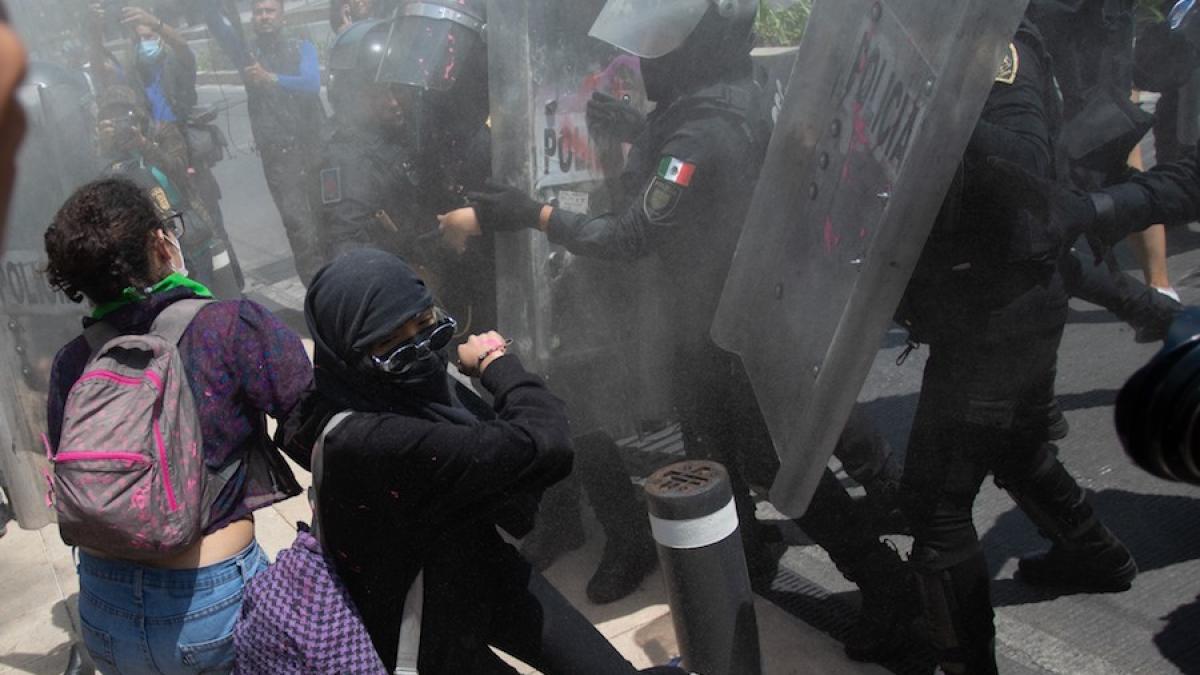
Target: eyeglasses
[
  {"x": 174, "y": 224},
  {"x": 408, "y": 353}
]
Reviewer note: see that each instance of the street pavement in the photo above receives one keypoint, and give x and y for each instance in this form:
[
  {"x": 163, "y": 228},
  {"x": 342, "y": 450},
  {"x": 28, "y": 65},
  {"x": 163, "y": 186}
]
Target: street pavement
[{"x": 1153, "y": 628}]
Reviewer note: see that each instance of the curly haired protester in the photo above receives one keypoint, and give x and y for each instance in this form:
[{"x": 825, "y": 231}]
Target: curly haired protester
[{"x": 147, "y": 608}]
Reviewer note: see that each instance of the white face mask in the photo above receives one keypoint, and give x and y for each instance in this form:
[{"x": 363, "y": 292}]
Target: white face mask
[{"x": 181, "y": 269}]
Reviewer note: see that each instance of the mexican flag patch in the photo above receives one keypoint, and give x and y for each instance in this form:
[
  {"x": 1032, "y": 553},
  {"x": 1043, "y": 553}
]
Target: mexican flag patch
[{"x": 676, "y": 171}]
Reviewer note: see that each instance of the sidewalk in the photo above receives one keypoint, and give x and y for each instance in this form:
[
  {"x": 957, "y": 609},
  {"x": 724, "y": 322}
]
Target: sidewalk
[
  {"x": 38, "y": 584},
  {"x": 39, "y": 593}
]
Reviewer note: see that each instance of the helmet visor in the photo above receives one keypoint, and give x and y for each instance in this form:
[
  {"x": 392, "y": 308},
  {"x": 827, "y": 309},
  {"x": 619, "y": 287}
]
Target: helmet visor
[
  {"x": 648, "y": 28},
  {"x": 428, "y": 52}
]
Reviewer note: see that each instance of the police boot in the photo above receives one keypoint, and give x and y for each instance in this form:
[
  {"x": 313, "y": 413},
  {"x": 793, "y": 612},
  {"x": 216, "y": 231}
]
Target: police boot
[
  {"x": 1083, "y": 554},
  {"x": 956, "y": 610},
  {"x": 559, "y": 527},
  {"x": 840, "y": 525},
  {"x": 1150, "y": 313},
  {"x": 629, "y": 553},
  {"x": 883, "y": 499},
  {"x": 886, "y": 585}
]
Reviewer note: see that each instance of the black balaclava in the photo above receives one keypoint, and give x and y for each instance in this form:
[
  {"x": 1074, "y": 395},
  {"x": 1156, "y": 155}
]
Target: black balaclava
[
  {"x": 717, "y": 50},
  {"x": 355, "y": 302}
]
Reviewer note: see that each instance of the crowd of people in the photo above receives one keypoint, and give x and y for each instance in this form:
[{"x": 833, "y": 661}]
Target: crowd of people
[{"x": 392, "y": 218}]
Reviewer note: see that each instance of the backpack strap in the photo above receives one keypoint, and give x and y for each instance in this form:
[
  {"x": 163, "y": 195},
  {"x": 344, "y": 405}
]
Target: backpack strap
[
  {"x": 98, "y": 334},
  {"x": 173, "y": 321},
  {"x": 316, "y": 467},
  {"x": 409, "y": 646}
]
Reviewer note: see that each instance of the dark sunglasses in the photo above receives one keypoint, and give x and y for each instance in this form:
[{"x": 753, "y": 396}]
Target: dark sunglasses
[
  {"x": 174, "y": 224},
  {"x": 428, "y": 341}
]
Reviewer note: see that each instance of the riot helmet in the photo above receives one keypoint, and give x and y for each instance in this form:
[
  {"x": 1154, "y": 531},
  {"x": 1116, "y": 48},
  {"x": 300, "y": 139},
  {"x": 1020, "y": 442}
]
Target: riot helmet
[
  {"x": 354, "y": 64},
  {"x": 438, "y": 47},
  {"x": 435, "y": 43},
  {"x": 1166, "y": 53},
  {"x": 652, "y": 29},
  {"x": 683, "y": 44}
]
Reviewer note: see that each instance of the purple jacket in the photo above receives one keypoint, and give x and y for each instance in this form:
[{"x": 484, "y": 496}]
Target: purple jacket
[{"x": 242, "y": 364}]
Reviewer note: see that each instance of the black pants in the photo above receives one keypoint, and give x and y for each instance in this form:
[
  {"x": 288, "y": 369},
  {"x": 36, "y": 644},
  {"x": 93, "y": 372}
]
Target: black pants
[
  {"x": 721, "y": 421},
  {"x": 507, "y": 605},
  {"x": 982, "y": 409},
  {"x": 289, "y": 177}
]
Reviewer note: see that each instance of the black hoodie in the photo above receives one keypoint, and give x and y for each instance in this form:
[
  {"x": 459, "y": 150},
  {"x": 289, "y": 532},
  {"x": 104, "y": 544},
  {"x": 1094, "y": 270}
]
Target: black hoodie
[{"x": 404, "y": 490}]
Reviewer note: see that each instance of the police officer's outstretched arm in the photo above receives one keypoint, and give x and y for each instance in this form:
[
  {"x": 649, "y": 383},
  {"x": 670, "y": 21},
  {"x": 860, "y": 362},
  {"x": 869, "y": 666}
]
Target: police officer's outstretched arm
[
  {"x": 679, "y": 189},
  {"x": 1168, "y": 193}
]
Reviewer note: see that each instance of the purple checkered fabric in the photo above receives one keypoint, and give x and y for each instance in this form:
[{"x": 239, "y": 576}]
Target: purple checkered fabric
[{"x": 297, "y": 617}]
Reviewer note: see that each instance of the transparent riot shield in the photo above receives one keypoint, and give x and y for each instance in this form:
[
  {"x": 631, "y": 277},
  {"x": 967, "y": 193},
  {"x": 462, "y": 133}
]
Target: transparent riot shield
[
  {"x": 589, "y": 324},
  {"x": 56, "y": 157},
  {"x": 876, "y": 118}
]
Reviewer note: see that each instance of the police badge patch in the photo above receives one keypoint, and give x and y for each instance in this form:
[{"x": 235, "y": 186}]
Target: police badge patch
[
  {"x": 159, "y": 197},
  {"x": 661, "y": 199},
  {"x": 331, "y": 185},
  {"x": 1009, "y": 66}
]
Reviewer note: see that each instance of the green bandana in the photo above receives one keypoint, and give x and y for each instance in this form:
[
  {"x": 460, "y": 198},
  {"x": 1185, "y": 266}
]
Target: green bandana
[{"x": 132, "y": 295}]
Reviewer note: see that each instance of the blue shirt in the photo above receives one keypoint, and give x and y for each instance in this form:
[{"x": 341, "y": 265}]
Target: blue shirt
[
  {"x": 308, "y": 80},
  {"x": 160, "y": 107}
]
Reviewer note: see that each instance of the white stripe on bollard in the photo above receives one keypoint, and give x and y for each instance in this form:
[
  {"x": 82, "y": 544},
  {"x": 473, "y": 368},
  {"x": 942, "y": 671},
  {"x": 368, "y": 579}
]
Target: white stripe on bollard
[
  {"x": 697, "y": 532},
  {"x": 221, "y": 260}
]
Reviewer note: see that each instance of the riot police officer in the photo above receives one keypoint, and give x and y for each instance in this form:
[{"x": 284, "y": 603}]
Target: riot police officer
[
  {"x": 407, "y": 146},
  {"x": 693, "y": 169},
  {"x": 989, "y": 301}
]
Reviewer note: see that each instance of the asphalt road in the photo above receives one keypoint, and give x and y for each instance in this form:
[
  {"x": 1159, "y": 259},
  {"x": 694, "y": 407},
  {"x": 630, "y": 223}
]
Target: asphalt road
[{"x": 1154, "y": 628}]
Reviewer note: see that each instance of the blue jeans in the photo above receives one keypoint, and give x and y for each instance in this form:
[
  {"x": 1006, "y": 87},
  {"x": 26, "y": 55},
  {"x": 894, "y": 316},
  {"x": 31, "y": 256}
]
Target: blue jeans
[{"x": 142, "y": 620}]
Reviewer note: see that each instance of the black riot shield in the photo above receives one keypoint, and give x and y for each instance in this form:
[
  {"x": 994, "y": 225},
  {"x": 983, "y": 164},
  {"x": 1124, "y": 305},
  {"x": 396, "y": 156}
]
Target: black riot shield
[
  {"x": 57, "y": 156},
  {"x": 590, "y": 325},
  {"x": 878, "y": 113}
]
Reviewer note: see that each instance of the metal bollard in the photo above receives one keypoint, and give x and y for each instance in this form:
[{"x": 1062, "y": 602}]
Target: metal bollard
[{"x": 695, "y": 524}]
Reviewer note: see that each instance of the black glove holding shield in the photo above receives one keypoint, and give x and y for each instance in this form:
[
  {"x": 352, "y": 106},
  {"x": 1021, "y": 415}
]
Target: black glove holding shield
[
  {"x": 609, "y": 118},
  {"x": 500, "y": 208}
]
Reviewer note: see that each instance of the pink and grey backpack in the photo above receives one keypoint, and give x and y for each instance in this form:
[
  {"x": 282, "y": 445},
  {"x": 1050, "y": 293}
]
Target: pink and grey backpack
[{"x": 129, "y": 474}]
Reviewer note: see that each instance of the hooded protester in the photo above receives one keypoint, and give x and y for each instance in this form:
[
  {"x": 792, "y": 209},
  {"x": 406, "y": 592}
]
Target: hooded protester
[{"x": 418, "y": 477}]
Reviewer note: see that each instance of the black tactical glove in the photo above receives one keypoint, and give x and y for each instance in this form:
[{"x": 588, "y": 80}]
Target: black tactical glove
[
  {"x": 501, "y": 208},
  {"x": 1066, "y": 211},
  {"x": 618, "y": 120}
]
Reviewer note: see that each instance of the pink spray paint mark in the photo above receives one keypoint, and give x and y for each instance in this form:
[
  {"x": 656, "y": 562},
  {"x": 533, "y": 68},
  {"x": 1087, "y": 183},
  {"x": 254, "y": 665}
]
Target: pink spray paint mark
[{"x": 832, "y": 238}]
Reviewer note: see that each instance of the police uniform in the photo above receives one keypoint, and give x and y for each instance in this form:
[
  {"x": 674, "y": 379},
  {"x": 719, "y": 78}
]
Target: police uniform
[
  {"x": 375, "y": 191},
  {"x": 988, "y": 299},
  {"x": 1167, "y": 193},
  {"x": 694, "y": 170}
]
